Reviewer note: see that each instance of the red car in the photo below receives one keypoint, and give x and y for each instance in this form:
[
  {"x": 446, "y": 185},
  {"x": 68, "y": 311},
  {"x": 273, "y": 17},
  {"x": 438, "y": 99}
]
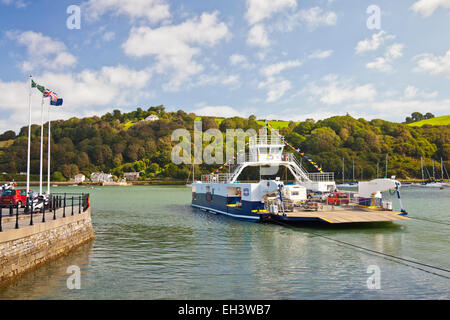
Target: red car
[
  {"x": 18, "y": 197},
  {"x": 338, "y": 198}
]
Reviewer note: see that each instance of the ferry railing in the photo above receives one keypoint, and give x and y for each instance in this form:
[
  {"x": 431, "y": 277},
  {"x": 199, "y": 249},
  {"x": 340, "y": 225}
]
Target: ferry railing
[
  {"x": 216, "y": 178},
  {"x": 76, "y": 202},
  {"x": 321, "y": 176},
  {"x": 266, "y": 140}
]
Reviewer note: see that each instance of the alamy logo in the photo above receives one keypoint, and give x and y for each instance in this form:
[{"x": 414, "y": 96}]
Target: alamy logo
[
  {"x": 374, "y": 281},
  {"x": 74, "y": 280},
  {"x": 74, "y": 20}
]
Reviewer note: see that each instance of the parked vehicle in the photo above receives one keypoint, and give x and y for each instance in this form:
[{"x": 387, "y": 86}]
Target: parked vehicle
[
  {"x": 338, "y": 198},
  {"x": 16, "y": 197}
]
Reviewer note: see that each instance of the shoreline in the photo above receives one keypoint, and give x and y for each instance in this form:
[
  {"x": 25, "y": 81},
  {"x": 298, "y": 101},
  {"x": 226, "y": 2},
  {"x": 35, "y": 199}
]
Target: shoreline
[{"x": 129, "y": 183}]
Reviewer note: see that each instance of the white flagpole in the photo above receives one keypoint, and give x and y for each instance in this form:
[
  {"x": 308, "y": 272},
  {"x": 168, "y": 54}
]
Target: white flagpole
[
  {"x": 48, "y": 161},
  {"x": 29, "y": 139},
  {"x": 42, "y": 144}
]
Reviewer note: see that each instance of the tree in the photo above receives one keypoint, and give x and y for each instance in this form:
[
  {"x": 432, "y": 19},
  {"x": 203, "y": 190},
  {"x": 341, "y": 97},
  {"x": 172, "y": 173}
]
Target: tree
[
  {"x": 429, "y": 115},
  {"x": 417, "y": 116},
  {"x": 8, "y": 135}
]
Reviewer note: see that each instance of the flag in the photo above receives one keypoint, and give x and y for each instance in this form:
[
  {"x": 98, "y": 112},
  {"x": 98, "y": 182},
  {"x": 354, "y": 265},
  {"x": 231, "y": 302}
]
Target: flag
[
  {"x": 40, "y": 88},
  {"x": 54, "y": 99}
]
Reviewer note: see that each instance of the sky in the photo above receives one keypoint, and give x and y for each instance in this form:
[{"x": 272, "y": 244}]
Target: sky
[{"x": 276, "y": 59}]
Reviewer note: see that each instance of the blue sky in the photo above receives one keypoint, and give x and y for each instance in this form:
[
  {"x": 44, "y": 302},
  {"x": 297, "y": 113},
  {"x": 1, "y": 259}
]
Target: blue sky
[{"x": 277, "y": 59}]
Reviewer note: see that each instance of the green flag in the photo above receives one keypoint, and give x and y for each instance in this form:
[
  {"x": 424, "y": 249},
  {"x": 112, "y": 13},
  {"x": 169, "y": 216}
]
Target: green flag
[{"x": 35, "y": 85}]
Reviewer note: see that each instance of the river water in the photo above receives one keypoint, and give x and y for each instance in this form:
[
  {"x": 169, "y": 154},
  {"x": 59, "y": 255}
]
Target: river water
[{"x": 150, "y": 244}]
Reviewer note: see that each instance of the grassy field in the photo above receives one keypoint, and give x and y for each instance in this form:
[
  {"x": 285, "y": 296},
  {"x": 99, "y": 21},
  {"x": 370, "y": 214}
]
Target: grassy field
[{"x": 438, "y": 121}]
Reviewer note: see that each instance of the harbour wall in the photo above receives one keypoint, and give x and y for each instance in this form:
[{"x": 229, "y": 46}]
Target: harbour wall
[{"x": 24, "y": 249}]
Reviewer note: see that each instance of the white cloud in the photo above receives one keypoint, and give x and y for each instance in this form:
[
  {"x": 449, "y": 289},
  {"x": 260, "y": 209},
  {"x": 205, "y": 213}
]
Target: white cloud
[
  {"x": 82, "y": 92},
  {"x": 277, "y": 68},
  {"x": 258, "y": 36},
  {"x": 152, "y": 10},
  {"x": 374, "y": 43},
  {"x": 277, "y": 86},
  {"x": 378, "y": 40},
  {"x": 434, "y": 65},
  {"x": 427, "y": 7},
  {"x": 219, "y": 111},
  {"x": 172, "y": 45},
  {"x": 237, "y": 59},
  {"x": 108, "y": 36},
  {"x": 232, "y": 79},
  {"x": 321, "y": 54},
  {"x": 412, "y": 92},
  {"x": 384, "y": 64},
  {"x": 258, "y": 10},
  {"x": 17, "y": 3},
  {"x": 337, "y": 90},
  {"x": 43, "y": 52},
  {"x": 316, "y": 17}
]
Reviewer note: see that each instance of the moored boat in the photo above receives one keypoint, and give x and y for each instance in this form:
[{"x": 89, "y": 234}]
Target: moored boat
[{"x": 274, "y": 199}]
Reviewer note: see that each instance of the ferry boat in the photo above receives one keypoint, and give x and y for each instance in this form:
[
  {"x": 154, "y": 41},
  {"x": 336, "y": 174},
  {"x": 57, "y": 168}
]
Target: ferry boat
[{"x": 274, "y": 199}]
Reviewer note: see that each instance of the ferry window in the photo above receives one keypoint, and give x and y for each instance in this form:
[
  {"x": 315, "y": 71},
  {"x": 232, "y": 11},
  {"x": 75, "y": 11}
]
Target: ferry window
[
  {"x": 9, "y": 193},
  {"x": 295, "y": 193}
]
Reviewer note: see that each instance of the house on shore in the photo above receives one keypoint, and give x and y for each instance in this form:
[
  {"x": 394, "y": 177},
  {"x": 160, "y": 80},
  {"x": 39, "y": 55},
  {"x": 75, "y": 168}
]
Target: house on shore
[
  {"x": 79, "y": 178},
  {"x": 131, "y": 175},
  {"x": 98, "y": 177}
]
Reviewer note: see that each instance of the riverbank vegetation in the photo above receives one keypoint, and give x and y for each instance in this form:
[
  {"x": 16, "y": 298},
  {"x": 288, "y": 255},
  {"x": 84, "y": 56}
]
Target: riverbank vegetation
[{"x": 124, "y": 142}]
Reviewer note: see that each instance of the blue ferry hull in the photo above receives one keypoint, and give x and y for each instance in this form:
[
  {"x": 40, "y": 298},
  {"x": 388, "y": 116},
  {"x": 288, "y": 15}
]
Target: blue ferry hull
[{"x": 218, "y": 204}]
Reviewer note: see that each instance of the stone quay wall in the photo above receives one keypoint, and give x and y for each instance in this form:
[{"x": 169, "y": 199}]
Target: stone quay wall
[{"x": 26, "y": 248}]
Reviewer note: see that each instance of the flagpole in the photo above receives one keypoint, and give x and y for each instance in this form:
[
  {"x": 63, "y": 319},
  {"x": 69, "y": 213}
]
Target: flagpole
[
  {"x": 29, "y": 138},
  {"x": 42, "y": 144},
  {"x": 48, "y": 160}
]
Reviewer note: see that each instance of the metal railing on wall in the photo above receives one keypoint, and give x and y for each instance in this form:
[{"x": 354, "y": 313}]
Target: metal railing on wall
[{"x": 69, "y": 203}]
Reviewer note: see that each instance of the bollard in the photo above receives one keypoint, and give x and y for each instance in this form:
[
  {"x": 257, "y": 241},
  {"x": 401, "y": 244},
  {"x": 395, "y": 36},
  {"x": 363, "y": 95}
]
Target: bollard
[
  {"x": 10, "y": 207},
  {"x": 64, "y": 208},
  {"x": 1, "y": 209},
  {"x": 43, "y": 211},
  {"x": 31, "y": 216},
  {"x": 79, "y": 204},
  {"x": 72, "y": 205},
  {"x": 17, "y": 219}
]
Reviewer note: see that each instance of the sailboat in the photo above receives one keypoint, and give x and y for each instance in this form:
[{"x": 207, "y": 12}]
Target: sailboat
[
  {"x": 345, "y": 184},
  {"x": 431, "y": 182}
]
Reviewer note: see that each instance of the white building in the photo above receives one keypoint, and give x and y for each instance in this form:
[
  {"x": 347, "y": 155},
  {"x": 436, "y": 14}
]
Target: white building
[
  {"x": 79, "y": 178},
  {"x": 97, "y": 177},
  {"x": 152, "y": 117},
  {"x": 131, "y": 175}
]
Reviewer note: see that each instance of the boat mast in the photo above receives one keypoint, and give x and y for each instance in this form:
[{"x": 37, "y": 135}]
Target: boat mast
[
  {"x": 421, "y": 166},
  {"x": 442, "y": 170},
  {"x": 433, "y": 169}
]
